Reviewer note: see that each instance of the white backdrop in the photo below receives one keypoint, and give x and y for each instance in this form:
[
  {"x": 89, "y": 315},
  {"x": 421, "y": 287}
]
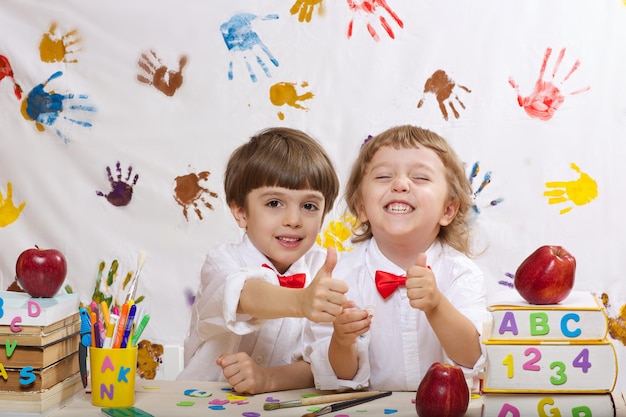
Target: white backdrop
[{"x": 339, "y": 87}]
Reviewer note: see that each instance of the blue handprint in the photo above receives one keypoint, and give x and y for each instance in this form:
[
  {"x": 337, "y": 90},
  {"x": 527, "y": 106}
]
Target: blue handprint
[
  {"x": 241, "y": 39},
  {"x": 44, "y": 108}
]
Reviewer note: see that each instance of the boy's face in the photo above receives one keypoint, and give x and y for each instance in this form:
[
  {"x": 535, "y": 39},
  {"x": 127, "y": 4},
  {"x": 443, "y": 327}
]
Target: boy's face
[
  {"x": 281, "y": 223},
  {"x": 404, "y": 196}
]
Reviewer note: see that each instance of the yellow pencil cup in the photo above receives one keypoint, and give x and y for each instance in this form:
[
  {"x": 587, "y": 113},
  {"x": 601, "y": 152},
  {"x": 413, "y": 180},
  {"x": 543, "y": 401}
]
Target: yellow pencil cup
[{"x": 113, "y": 376}]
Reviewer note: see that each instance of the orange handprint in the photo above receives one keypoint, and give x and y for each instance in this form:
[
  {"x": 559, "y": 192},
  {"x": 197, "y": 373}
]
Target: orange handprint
[
  {"x": 8, "y": 212},
  {"x": 545, "y": 100},
  {"x": 158, "y": 75},
  {"x": 305, "y": 9},
  {"x": 580, "y": 192},
  {"x": 443, "y": 87},
  {"x": 371, "y": 9},
  {"x": 55, "y": 47},
  {"x": 285, "y": 93}
]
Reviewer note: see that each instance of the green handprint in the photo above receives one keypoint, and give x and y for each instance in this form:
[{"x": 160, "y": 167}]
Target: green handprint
[
  {"x": 110, "y": 290},
  {"x": 8, "y": 212},
  {"x": 580, "y": 192}
]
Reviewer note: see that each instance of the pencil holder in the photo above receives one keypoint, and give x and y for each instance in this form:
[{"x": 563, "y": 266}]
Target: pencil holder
[{"x": 113, "y": 376}]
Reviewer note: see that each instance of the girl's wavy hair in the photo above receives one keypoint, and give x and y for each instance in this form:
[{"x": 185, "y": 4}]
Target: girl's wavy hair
[{"x": 457, "y": 233}]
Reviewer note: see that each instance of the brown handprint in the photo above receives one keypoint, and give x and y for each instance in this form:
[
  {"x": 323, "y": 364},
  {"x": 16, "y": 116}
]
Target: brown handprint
[
  {"x": 443, "y": 87},
  {"x": 305, "y": 8},
  {"x": 158, "y": 75},
  {"x": 545, "y": 100},
  {"x": 188, "y": 193},
  {"x": 371, "y": 8},
  {"x": 56, "y": 47}
]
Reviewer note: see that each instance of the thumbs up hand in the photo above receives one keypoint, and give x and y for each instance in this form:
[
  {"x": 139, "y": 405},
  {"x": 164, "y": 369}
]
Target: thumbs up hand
[
  {"x": 421, "y": 285},
  {"x": 325, "y": 296}
]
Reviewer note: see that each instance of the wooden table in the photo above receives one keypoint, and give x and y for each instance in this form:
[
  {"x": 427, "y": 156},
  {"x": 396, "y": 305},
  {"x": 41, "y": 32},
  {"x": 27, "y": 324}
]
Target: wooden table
[{"x": 166, "y": 399}]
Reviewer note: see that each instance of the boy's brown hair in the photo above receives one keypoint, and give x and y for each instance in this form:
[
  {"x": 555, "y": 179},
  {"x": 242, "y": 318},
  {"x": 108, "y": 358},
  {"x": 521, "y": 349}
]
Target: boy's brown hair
[
  {"x": 457, "y": 233},
  {"x": 280, "y": 157}
]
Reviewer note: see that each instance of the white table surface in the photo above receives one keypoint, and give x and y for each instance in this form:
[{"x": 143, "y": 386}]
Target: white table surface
[{"x": 160, "y": 398}]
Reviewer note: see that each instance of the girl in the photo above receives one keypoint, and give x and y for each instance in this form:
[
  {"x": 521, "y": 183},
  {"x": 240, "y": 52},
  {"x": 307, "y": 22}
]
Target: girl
[{"x": 419, "y": 297}]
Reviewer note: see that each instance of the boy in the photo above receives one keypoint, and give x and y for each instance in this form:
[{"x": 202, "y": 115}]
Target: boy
[{"x": 246, "y": 326}]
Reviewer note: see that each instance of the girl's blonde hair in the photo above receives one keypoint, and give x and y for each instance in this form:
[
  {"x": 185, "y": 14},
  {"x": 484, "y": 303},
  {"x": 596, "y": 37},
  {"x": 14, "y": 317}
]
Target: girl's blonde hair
[{"x": 457, "y": 233}]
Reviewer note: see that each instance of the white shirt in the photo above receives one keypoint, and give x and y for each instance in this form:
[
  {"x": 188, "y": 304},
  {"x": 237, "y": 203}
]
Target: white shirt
[
  {"x": 216, "y": 327},
  {"x": 400, "y": 346}
]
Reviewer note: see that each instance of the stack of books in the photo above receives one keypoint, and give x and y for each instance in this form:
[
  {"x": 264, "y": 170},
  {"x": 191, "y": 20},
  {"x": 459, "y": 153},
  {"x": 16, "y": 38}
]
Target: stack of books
[
  {"x": 548, "y": 359},
  {"x": 39, "y": 340}
]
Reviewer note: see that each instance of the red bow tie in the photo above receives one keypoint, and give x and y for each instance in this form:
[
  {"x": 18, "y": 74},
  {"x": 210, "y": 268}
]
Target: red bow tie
[
  {"x": 290, "y": 281},
  {"x": 387, "y": 283}
]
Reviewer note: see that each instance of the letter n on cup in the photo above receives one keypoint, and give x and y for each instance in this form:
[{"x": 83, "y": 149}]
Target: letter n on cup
[{"x": 113, "y": 376}]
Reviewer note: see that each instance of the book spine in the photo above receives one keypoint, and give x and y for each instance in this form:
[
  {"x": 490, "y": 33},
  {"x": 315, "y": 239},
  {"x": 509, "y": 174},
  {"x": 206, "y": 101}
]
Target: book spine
[
  {"x": 550, "y": 367},
  {"x": 540, "y": 405},
  {"x": 555, "y": 325}
]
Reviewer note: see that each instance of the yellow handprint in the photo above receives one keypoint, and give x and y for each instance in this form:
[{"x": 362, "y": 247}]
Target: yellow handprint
[
  {"x": 285, "y": 93},
  {"x": 8, "y": 212},
  {"x": 58, "y": 48},
  {"x": 305, "y": 9},
  {"x": 336, "y": 233},
  {"x": 580, "y": 192}
]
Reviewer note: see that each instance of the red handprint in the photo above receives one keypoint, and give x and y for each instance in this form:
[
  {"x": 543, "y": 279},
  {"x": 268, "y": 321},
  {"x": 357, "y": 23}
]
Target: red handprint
[
  {"x": 369, "y": 8},
  {"x": 545, "y": 100},
  {"x": 7, "y": 71}
]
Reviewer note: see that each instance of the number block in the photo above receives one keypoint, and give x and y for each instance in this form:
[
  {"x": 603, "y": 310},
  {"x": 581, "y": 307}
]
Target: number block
[{"x": 551, "y": 367}]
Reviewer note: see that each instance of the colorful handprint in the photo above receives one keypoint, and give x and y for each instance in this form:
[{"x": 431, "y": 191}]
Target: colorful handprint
[
  {"x": 121, "y": 189},
  {"x": 546, "y": 98},
  {"x": 59, "y": 47},
  {"x": 241, "y": 40},
  {"x": 485, "y": 181},
  {"x": 189, "y": 194},
  {"x": 8, "y": 212},
  {"x": 7, "y": 71},
  {"x": 158, "y": 75},
  {"x": 44, "y": 108},
  {"x": 304, "y": 9},
  {"x": 372, "y": 10},
  {"x": 445, "y": 90},
  {"x": 337, "y": 233},
  {"x": 285, "y": 93},
  {"x": 579, "y": 192}
]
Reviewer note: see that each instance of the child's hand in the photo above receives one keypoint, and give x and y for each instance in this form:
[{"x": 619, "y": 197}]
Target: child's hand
[
  {"x": 242, "y": 373},
  {"x": 421, "y": 286},
  {"x": 324, "y": 298},
  {"x": 350, "y": 324}
]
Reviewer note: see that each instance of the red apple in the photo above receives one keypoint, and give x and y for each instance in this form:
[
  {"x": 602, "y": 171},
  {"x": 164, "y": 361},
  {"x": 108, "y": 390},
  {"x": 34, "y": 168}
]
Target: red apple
[
  {"x": 41, "y": 272},
  {"x": 546, "y": 276},
  {"x": 443, "y": 392}
]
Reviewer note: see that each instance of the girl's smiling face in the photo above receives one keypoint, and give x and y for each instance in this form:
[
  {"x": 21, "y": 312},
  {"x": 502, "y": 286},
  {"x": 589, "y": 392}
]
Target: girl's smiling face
[
  {"x": 404, "y": 196},
  {"x": 281, "y": 223}
]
